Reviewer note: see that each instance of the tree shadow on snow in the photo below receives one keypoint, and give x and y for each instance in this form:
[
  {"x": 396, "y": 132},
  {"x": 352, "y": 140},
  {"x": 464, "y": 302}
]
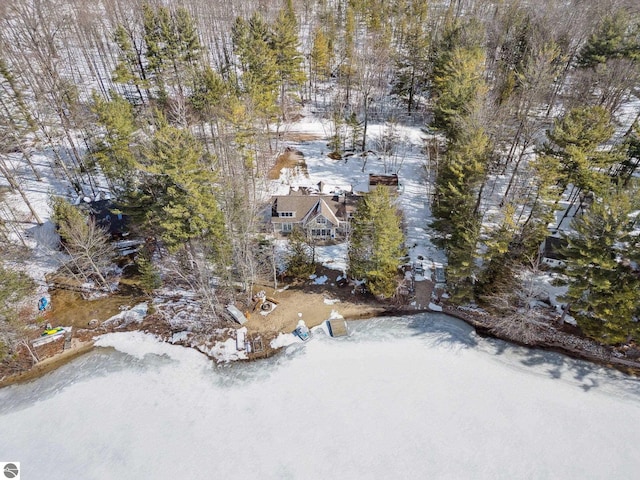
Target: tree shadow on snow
[{"x": 442, "y": 330}]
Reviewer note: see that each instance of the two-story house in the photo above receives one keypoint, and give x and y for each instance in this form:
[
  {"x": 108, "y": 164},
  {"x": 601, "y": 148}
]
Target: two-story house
[{"x": 321, "y": 216}]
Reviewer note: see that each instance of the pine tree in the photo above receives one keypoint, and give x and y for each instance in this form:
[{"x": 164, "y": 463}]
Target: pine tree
[
  {"x": 320, "y": 57},
  {"x": 455, "y": 205},
  {"x": 346, "y": 65},
  {"x": 113, "y": 151},
  {"x": 259, "y": 64},
  {"x": 173, "y": 47},
  {"x": 498, "y": 258},
  {"x": 179, "y": 189},
  {"x": 130, "y": 68},
  {"x": 631, "y": 159},
  {"x": 604, "y": 286},
  {"x": 575, "y": 141},
  {"x": 610, "y": 41},
  {"x": 149, "y": 276},
  {"x": 155, "y": 24},
  {"x": 284, "y": 43},
  {"x": 215, "y": 98},
  {"x": 458, "y": 86},
  {"x": 299, "y": 257},
  {"x": 457, "y": 76},
  {"x": 376, "y": 243},
  {"x": 14, "y": 287},
  {"x": 412, "y": 60}
]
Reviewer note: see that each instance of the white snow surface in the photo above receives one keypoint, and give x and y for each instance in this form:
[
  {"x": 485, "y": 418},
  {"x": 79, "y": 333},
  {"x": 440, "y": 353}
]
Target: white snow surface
[
  {"x": 333, "y": 257},
  {"x": 130, "y": 315},
  {"x": 434, "y": 307},
  {"x": 284, "y": 340},
  {"x": 230, "y": 350},
  {"x": 418, "y": 397},
  {"x": 320, "y": 280},
  {"x": 331, "y": 301}
]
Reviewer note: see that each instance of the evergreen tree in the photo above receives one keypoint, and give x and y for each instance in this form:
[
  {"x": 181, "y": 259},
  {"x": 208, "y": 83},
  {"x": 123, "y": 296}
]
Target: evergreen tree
[
  {"x": 376, "y": 243},
  {"x": 288, "y": 60},
  {"x": 113, "y": 151},
  {"x": 173, "y": 47},
  {"x": 259, "y": 64},
  {"x": 612, "y": 40},
  {"x": 320, "y": 55},
  {"x": 631, "y": 161},
  {"x": 458, "y": 86},
  {"x": 130, "y": 68},
  {"x": 156, "y": 27},
  {"x": 346, "y": 65},
  {"x": 576, "y": 139},
  {"x": 149, "y": 276},
  {"x": 455, "y": 205},
  {"x": 412, "y": 60},
  {"x": 604, "y": 286},
  {"x": 299, "y": 257},
  {"x": 215, "y": 99},
  {"x": 179, "y": 189},
  {"x": 496, "y": 268}
]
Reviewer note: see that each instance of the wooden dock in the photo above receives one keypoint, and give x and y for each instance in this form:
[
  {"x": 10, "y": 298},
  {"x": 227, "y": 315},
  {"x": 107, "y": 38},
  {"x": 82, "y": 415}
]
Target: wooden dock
[{"x": 337, "y": 328}]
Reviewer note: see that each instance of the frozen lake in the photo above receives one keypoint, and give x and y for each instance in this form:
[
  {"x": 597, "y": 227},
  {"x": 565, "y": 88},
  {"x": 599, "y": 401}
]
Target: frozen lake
[{"x": 414, "y": 397}]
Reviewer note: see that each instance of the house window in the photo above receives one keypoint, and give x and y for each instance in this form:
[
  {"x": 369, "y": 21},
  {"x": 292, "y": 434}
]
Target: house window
[
  {"x": 321, "y": 220},
  {"x": 320, "y": 232},
  {"x": 287, "y": 227},
  {"x": 286, "y": 214}
]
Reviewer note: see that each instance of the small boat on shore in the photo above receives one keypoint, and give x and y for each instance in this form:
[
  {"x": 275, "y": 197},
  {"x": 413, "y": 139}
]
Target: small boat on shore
[
  {"x": 302, "y": 331},
  {"x": 337, "y": 327},
  {"x": 52, "y": 331}
]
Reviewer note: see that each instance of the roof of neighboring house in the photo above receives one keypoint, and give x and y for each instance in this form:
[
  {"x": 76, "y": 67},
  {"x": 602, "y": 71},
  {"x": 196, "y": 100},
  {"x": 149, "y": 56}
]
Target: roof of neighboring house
[
  {"x": 106, "y": 214},
  {"x": 553, "y": 248},
  {"x": 387, "y": 180}
]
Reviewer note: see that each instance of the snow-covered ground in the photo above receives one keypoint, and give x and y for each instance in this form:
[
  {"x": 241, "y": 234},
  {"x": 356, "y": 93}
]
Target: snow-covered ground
[{"x": 419, "y": 397}]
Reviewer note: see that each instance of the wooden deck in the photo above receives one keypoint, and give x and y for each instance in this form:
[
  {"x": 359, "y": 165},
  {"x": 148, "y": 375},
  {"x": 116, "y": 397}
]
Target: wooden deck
[
  {"x": 423, "y": 294},
  {"x": 337, "y": 328}
]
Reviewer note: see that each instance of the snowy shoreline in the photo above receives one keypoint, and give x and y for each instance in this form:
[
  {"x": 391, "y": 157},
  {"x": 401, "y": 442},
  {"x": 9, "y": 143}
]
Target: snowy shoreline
[
  {"x": 580, "y": 348},
  {"x": 559, "y": 342}
]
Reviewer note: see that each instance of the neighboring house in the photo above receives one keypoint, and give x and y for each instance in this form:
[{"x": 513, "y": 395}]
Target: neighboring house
[
  {"x": 106, "y": 215},
  {"x": 551, "y": 250},
  {"x": 390, "y": 181},
  {"x": 321, "y": 216}
]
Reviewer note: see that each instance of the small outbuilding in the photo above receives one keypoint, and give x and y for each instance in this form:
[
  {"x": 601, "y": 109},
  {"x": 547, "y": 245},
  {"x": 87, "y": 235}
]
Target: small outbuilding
[
  {"x": 107, "y": 215},
  {"x": 391, "y": 182},
  {"x": 552, "y": 251}
]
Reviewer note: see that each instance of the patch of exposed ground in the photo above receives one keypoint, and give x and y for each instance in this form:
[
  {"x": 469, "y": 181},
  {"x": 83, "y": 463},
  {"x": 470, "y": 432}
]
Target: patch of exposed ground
[
  {"x": 314, "y": 301},
  {"x": 71, "y": 309},
  {"x": 290, "y": 159},
  {"x": 300, "y": 137}
]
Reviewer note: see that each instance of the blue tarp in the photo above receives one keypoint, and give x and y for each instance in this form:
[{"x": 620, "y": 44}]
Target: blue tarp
[{"x": 42, "y": 303}]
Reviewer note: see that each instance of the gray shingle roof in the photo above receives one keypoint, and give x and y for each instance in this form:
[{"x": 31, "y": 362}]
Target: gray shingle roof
[{"x": 306, "y": 207}]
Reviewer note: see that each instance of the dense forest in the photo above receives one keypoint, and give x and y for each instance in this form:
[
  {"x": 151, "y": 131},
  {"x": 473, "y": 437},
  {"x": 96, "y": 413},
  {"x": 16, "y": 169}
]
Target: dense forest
[{"x": 178, "y": 109}]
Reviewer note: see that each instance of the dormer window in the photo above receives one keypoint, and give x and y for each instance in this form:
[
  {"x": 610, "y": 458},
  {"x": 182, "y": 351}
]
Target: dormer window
[{"x": 286, "y": 214}]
